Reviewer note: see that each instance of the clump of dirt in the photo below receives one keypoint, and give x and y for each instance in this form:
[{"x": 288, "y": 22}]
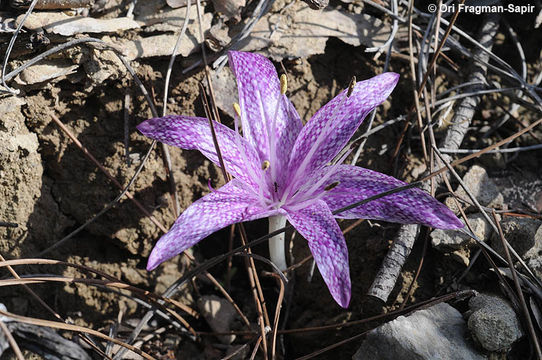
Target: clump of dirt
[{"x": 25, "y": 196}]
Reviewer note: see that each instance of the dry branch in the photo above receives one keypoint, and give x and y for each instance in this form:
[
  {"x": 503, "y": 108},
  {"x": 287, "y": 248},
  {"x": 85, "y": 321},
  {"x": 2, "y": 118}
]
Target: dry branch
[
  {"x": 404, "y": 240},
  {"x": 466, "y": 108},
  {"x": 51, "y": 4},
  {"x": 46, "y": 342}
]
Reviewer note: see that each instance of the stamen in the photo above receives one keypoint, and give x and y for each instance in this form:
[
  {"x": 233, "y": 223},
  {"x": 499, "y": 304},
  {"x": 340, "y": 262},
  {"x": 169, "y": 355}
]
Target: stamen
[
  {"x": 307, "y": 191},
  {"x": 303, "y": 204},
  {"x": 283, "y": 84},
  {"x": 332, "y": 186},
  {"x": 237, "y": 109},
  {"x": 265, "y": 165},
  {"x": 210, "y": 186},
  {"x": 351, "y": 86}
]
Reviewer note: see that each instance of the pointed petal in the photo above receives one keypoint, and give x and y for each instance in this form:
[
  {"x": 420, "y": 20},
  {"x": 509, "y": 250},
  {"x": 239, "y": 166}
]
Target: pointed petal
[
  {"x": 333, "y": 125},
  {"x": 228, "y": 205},
  {"x": 259, "y": 91},
  {"x": 328, "y": 247},
  {"x": 412, "y": 206},
  {"x": 190, "y": 133}
]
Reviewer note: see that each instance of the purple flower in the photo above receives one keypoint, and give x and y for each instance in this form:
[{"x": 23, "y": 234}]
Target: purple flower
[{"x": 282, "y": 168}]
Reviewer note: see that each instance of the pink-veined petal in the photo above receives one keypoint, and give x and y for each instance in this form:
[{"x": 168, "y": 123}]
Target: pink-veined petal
[
  {"x": 328, "y": 247},
  {"x": 412, "y": 206},
  {"x": 259, "y": 91},
  {"x": 287, "y": 133},
  {"x": 228, "y": 205},
  {"x": 333, "y": 125},
  {"x": 190, "y": 133}
]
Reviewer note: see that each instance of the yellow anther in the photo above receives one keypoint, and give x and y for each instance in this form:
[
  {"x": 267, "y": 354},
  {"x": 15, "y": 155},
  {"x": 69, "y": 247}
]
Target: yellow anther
[
  {"x": 283, "y": 84},
  {"x": 265, "y": 165},
  {"x": 332, "y": 186},
  {"x": 351, "y": 86},
  {"x": 237, "y": 109}
]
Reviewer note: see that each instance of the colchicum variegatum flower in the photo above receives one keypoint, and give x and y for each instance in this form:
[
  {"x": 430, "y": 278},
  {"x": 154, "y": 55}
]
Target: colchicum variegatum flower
[{"x": 281, "y": 170}]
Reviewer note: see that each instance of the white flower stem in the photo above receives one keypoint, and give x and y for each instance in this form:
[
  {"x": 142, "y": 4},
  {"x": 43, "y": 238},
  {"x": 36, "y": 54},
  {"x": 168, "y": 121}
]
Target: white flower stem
[{"x": 276, "y": 243}]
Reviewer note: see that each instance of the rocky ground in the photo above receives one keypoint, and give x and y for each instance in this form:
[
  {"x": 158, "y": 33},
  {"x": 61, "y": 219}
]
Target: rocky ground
[{"x": 450, "y": 300}]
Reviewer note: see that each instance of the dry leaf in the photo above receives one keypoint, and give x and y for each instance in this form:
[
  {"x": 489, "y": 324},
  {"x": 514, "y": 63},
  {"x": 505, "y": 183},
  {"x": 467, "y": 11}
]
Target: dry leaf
[
  {"x": 305, "y": 32},
  {"x": 229, "y": 8},
  {"x": 62, "y": 24}
]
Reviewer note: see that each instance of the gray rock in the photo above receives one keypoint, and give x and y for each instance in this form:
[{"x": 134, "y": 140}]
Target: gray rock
[
  {"x": 434, "y": 333},
  {"x": 522, "y": 190},
  {"x": 523, "y": 234},
  {"x": 226, "y": 90},
  {"x": 493, "y": 323},
  {"x": 535, "y": 264},
  {"x": 481, "y": 187},
  {"x": 449, "y": 240},
  {"x": 458, "y": 244},
  {"x": 451, "y": 203},
  {"x": 219, "y": 314}
]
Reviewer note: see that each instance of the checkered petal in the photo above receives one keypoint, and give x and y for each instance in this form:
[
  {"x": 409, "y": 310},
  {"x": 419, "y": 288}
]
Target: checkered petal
[
  {"x": 190, "y": 133},
  {"x": 412, "y": 206},
  {"x": 228, "y": 205},
  {"x": 333, "y": 125},
  {"x": 328, "y": 247},
  {"x": 259, "y": 91},
  {"x": 287, "y": 134}
]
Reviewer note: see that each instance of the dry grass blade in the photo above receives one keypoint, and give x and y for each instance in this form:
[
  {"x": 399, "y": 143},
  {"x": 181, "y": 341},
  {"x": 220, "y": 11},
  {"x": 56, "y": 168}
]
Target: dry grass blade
[
  {"x": 10, "y": 47},
  {"x": 331, "y": 347},
  {"x": 416, "y": 92},
  {"x": 113, "y": 331},
  {"x": 85, "y": 338},
  {"x": 14, "y": 346},
  {"x": 112, "y": 280},
  {"x": 105, "y": 283},
  {"x": 277, "y": 314},
  {"x": 256, "y": 347},
  {"x": 68, "y": 327},
  {"x": 519, "y": 292}
]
